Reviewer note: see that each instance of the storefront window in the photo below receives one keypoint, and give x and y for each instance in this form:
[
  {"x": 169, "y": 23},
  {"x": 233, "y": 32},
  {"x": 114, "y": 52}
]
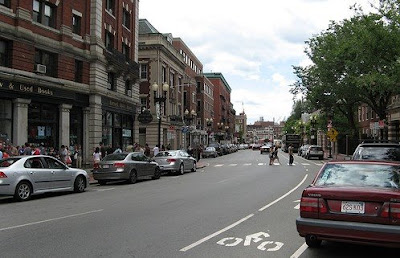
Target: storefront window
[
  {"x": 76, "y": 126},
  {"x": 6, "y": 120},
  {"x": 43, "y": 124},
  {"x": 117, "y": 130}
]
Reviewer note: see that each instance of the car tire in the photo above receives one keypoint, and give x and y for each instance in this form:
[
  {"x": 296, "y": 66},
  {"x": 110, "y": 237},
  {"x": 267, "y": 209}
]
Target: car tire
[
  {"x": 102, "y": 182},
  {"x": 132, "y": 177},
  {"x": 157, "y": 173},
  {"x": 23, "y": 191},
  {"x": 312, "y": 241},
  {"x": 181, "y": 170},
  {"x": 194, "y": 169},
  {"x": 79, "y": 184}
]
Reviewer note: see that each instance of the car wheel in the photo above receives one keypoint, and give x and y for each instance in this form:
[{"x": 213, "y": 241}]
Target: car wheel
[
  {"x": 132, "y": 177},
  {"x": 194, "y": 167},
  {"x": 157, "y": 173},
  {"x": 79, "y": 184},
  {"x": 312, "y": 241},
  {"x": 102, "y": 182},
  {"x": 23, "y": 191},
  {"x": 181, "y": 169}
]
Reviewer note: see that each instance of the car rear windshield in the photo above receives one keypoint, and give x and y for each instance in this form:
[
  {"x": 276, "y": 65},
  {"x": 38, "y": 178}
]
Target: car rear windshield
[
  {"x": 360, "y": 175},
  {"x": 316, "y": 148},
  {"x": 117, "y": 156},
  {"x": 166, "y": 154},
  {"x": 378, "y": 153},
  {"x": 7, "y": 162}
]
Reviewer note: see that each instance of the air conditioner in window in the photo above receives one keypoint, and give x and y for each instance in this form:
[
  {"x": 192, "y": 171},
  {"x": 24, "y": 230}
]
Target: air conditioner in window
[{"x": 39, "y": 68}]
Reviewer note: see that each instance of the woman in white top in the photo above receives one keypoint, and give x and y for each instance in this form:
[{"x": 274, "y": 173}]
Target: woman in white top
[{"x": 96, "y": 155}]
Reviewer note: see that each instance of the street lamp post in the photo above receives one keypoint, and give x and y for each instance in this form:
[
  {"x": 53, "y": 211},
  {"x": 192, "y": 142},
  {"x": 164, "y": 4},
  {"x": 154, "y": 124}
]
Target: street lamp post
[
  {"x": 227, "y": 132},
  {"x": 209, "y": 122},
  {"x": 220, "y": 125},
  {"x": 158, "y": 99},
  {"x": 313, "y": 121},
  {"x": 189, "y": 116}
]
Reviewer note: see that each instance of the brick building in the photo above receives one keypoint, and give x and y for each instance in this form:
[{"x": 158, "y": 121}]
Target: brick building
[{"x": 68, "y": 72}]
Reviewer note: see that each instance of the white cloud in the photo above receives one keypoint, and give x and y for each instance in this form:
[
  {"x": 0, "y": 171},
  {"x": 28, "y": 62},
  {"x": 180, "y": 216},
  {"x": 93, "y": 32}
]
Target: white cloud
[{"x": 253, "y": 43}]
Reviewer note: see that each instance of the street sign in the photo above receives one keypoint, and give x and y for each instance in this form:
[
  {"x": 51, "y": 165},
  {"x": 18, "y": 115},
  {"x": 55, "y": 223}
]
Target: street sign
[{"x": 332, "y": 134}]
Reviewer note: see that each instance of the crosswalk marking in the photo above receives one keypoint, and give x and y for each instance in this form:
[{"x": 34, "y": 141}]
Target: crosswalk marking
[
  {"x": 261, "y": 164},
  {"x": 232, "y": 165},
  {"x": 305, "y": 164}
]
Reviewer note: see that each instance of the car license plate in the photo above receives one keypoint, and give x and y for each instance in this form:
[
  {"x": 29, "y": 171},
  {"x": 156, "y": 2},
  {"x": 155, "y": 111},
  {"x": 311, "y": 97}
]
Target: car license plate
[
  {"x": 106, "y": 166},
  {"x": 353, "y": 207}
]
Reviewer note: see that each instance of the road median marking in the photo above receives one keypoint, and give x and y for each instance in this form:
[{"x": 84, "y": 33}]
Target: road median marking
[{"x": 49, "y": 220}]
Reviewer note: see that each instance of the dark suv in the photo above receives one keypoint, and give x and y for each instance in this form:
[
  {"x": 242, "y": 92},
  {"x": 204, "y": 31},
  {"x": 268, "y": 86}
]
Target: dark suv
[{"x": 377, "y": 151}]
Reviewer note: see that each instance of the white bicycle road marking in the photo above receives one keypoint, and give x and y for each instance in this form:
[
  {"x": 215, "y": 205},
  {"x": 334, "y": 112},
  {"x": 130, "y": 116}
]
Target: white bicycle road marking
[
  {"x": 48, "y": 220},
  {"x": 241, "y": 220}
]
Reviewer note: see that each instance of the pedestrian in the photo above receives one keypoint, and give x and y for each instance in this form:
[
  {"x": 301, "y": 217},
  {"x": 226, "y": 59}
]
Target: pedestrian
[
  {"x": 27, "y": 149},
  {"x": 147, "y": 150},
  {"x": 1, "y": 152},
  {"x": 290, "y": 151},
  {"x": 96, "y": 156},
  {"x": 42, "y": 149},
  {"x": 156, "y": 150},
  {"x": 36, "y": 151},
  {"x": 78, "y": 156},
  {"x": 117, "y": 150},
  {"x": 169, "y": 146},
  {"x": 102, "y": 149},
  {"x": 276, "y": 155},
  {"x": 63, "y": 154}
]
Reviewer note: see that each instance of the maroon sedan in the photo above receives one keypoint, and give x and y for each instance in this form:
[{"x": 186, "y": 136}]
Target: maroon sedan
[{"x": 352, "y": 201}]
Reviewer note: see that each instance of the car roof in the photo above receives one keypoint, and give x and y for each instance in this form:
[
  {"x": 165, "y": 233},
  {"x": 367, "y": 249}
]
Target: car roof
[
  {"x": 364, "y": 161},
  {"x": 379, "y": 144}
]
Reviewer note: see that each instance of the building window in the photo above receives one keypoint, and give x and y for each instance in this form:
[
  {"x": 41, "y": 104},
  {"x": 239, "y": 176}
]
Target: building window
[
  {"x": 128, "y": 88},
  {"x": 110, "y": 6},
  {"x": 143, "y": 71},
  {"x": 78, "y": 70},
  {"x": 44, "y": 13},
  {"x": 47, "y": 59},
  {"x": 5, "y": 3},
  {"x": 125, "y": 50},
  {"x": 111, "y": 81},
  {"x": 164, "y": 74},
  {"x": 109, "y": 42},
  {"x": 5, "y": 53},
  {"x": 126, "y": 19},
  {"x": 76, "y": 24}
]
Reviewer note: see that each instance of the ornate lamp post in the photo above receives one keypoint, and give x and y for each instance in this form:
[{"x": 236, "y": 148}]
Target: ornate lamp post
[
  {"x": 220, "y": 125},
  {"x": 209, "y": 123},
  {"x": 227, "y": 132},
  {"x": 189, "y": 116},
  {"x": 313, "y": 121},
  {"x": 158, "y": 99}
]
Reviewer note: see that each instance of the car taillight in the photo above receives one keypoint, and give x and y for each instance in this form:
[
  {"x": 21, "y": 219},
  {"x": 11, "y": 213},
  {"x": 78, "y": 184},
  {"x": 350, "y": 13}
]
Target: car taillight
[
  {"x": 2, "y": 175},
  {"x": 171, "y": 160},
  {"x": 391, "y": 210},
  {"x": 316, "y": 205},
  {"x": 119, "y": 165}
]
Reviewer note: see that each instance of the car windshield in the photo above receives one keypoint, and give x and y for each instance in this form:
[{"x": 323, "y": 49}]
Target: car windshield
[
  {"x": 117, "y": 156},
  {"x": 7, "y": 162},
  {"x": 360, "y": 175},
  {"x": 166, "y": 154},
  {"x": 210, "y": 149},
  {"x": 379, "y": 153}
]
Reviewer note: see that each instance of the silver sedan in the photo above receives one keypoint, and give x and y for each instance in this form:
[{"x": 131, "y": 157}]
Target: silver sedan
[
  {"x": 175, "y": 161},
  {"x": 125, "y": 166},
  {"x": 24, "y": 176}
]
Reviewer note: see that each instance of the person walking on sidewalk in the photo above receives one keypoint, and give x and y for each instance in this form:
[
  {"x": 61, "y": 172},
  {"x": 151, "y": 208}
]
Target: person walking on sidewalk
[{"x": 291, "y": 158}]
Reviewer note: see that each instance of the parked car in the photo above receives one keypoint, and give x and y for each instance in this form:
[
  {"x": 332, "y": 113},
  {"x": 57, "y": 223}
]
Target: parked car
[
  {"x": 217, "y": 147},
  {"x": 352, "y": 201},
  {"x": 210, "y": 152},
  {"x": 302, "y": 150},
  {"x": 125, "y": 166},
  {"x": 377, "y": 151},
  {"x": 256, "y": 146},
  {"x": 175, "y": 161},
  {"x": 314, "y": 151},
  {"x": 24, "y": 176},
  {"x": 265, "y": 148}
]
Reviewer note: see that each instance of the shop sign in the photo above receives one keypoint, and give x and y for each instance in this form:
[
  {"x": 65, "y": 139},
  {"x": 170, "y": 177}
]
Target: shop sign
[
  {"x": 126, "y": 133},
  {"x": 145, "y": 117}
]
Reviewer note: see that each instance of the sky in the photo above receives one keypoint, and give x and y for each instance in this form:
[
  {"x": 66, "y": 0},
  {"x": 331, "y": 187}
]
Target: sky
[{"x": 253, "y": 43}]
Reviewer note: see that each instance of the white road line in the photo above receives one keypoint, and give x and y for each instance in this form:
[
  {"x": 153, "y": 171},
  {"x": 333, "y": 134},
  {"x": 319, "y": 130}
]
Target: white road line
[
  {"x": 232, "y": 165},
  {"x": 215, "y": 234},
  {"x": 48, "y": 220},
  {"x": 305, "y": 164},
  {"x": 299, "y": 251},
  {"x": 218, "y": 165},
  {"x": 283, "y": 196},
  {"x": 261, "y": 164},
  {"x": 106, "y": 189},
  {"x": 247, "y": 164}
]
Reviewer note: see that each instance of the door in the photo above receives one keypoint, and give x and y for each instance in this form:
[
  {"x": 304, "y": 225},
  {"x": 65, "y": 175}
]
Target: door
[
  {"x": 40, "y": 176},
  {"x": 140, "y": 164},
  {"x": 62, "y": 176}
]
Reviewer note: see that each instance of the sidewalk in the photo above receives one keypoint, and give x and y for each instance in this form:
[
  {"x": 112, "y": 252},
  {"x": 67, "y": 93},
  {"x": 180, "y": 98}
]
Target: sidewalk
[
  {"x": 338, "y": 156},
  {"x": 199, "y": 164}
]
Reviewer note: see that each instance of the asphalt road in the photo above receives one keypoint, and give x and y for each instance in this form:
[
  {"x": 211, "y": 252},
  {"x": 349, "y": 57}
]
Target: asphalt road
[{"x": 238, "y": 206}]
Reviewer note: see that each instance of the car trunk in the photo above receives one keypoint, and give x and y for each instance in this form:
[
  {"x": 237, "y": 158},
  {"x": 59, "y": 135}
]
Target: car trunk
[{"x": 356, "y": 204}]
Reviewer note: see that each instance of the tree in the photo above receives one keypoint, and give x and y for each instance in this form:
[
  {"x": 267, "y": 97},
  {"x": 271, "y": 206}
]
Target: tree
[{"x": 354, "y": 61}]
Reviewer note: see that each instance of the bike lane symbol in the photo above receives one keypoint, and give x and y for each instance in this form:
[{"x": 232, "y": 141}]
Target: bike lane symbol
[{"x": 256, "y": 238}]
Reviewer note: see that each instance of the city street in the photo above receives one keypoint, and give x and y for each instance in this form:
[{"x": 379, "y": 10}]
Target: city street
[{"x": 237, "y": 206}]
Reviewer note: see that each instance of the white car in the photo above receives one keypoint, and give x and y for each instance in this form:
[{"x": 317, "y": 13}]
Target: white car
[{"x": 24, "y": 176}]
